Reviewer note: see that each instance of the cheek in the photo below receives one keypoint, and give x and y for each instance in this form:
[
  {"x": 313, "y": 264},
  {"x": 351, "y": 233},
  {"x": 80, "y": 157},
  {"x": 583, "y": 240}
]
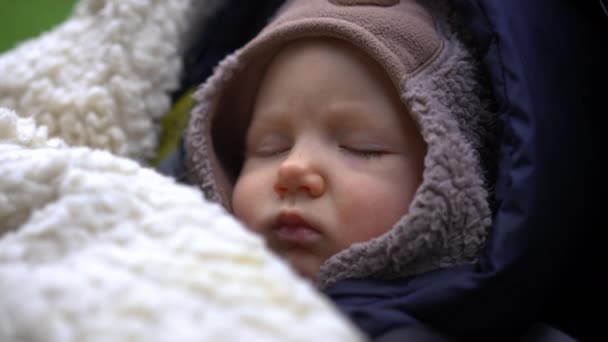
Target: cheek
[
  {"x": 245, "y": 198},
  {"x": 370, "y": 210}
]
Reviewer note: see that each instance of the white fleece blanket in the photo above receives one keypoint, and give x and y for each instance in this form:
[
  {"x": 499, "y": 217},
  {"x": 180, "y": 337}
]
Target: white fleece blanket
[
  {"x": 96, "y": 247},
  {"x": 104, "y": 77}
]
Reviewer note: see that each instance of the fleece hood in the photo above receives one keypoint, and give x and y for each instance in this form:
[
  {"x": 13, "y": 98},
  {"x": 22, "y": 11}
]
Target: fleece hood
[{"x": 439, "y": 82}]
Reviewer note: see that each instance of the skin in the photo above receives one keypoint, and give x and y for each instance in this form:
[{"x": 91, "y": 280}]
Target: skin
[{"x": 333, "y": 157}]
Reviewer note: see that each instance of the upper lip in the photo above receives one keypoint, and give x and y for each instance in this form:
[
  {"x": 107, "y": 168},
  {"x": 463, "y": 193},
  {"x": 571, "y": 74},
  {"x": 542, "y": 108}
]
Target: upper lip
[{"x": 293, "y": 219}]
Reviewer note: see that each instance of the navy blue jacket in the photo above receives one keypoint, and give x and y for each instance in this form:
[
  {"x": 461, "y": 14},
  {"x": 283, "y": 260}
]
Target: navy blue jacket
[{"x": 542, "y": 262}]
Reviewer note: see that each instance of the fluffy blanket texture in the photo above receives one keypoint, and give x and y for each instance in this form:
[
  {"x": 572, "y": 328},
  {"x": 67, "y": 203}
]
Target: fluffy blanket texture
[
  {"x": 104, "y": 77},
  {"x": 96, "y": 247}
]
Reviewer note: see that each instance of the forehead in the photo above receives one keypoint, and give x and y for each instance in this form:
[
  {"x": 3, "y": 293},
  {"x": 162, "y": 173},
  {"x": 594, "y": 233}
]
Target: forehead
[
  {"x": 316, "y": 73},
  {"x": 324, "y": 62}
]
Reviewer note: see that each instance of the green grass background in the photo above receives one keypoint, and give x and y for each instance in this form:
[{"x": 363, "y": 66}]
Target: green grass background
[{"x": 24, "y": 19}]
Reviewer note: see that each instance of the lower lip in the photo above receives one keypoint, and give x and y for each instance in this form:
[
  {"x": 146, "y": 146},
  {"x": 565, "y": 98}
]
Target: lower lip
[{"x": 297, "y": 235}]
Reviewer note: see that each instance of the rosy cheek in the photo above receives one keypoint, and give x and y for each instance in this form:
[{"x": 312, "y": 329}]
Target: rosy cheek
[
  {"x": 252, "y": 199},
  {"x": 371, "y": 213},
  {"x": 241, "y": 205}
]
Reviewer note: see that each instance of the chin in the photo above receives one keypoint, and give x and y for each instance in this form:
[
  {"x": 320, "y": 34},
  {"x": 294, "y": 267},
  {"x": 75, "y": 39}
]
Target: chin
[
  {"x": 311, "y": 276},
  {"x": 304, "y": 268}
]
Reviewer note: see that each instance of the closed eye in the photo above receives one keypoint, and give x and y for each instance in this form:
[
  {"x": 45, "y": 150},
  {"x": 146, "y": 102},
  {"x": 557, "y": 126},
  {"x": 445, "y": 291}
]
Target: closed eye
[
  {"x": 267, "y": 151},
  {"x": 267, "y": 145},
  {"x": 367, "y": 153}
]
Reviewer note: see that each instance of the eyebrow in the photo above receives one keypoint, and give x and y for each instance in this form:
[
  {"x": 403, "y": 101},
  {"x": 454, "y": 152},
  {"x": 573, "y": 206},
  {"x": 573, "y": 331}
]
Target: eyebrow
[
  {"x": 342, "y": 117},
  {"x": 273, "y": 114},
  {"x": 267, "y": 118}
]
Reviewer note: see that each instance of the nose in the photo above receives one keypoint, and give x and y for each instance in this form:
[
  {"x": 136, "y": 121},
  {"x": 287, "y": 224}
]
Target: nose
[{"x": 298, "y": 174}]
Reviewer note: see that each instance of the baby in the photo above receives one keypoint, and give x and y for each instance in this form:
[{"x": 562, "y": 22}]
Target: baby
[
  {"x": 350, "y": 135},
  {"x": 331, "y": 156}
]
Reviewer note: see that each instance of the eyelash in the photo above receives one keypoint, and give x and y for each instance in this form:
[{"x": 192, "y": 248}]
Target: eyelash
[
  {"x": 367, "y": 154},
  {"x": 266, "y": 154}
]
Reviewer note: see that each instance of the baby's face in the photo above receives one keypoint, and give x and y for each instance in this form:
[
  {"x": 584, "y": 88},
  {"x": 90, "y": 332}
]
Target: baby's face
[{"x": 332, "y": 157}]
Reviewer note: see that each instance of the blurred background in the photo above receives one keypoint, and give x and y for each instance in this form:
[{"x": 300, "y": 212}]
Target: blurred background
[{"x": 20, "y": 20}]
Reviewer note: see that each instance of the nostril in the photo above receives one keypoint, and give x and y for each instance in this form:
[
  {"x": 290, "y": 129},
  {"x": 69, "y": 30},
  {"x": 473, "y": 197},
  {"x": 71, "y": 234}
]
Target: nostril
[
  {"x": 299, "y": 175},
  {"x": 280, "y": 190},
  {"x": 315, "y": 185}
]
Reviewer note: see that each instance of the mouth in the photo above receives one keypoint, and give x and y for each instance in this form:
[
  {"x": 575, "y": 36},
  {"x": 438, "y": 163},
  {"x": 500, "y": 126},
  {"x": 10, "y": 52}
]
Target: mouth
[{"x": 293, "y": 229}]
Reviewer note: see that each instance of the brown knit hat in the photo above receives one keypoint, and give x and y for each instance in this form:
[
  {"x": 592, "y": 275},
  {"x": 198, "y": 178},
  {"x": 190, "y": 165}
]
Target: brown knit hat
[{"x": 438, "y": 81}]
